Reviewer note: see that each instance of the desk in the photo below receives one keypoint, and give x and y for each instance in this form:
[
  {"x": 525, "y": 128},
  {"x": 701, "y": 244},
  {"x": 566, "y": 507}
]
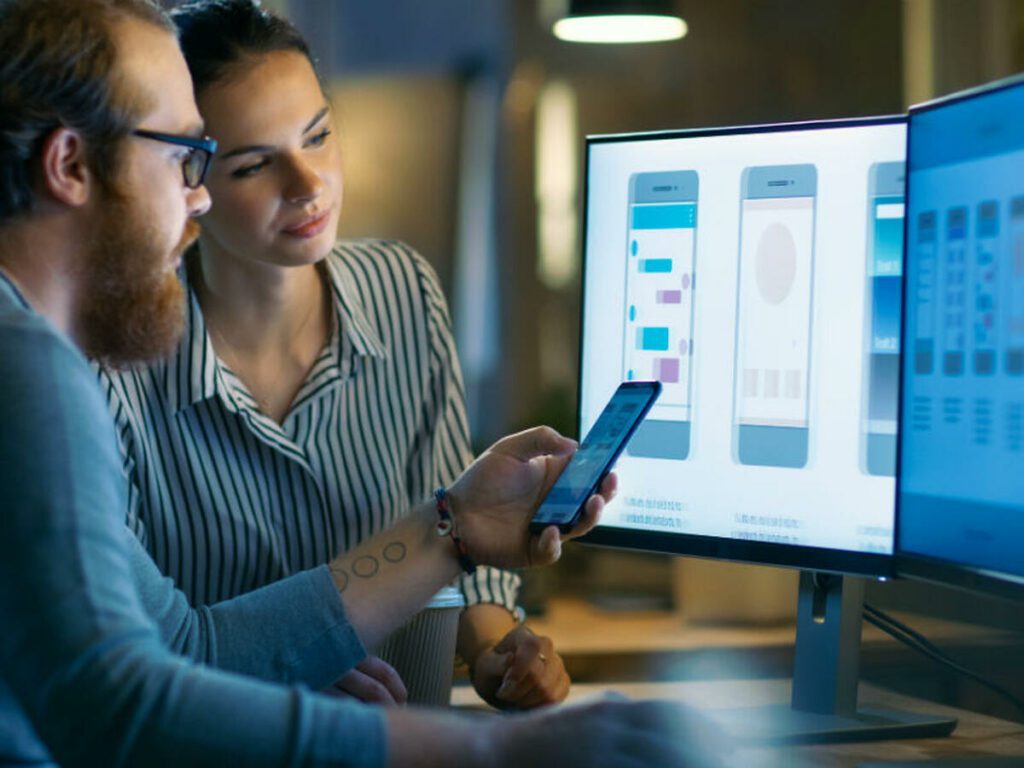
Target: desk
[
  {"x": 976, "y": 735},
  {"x": 722, "y": 667}
]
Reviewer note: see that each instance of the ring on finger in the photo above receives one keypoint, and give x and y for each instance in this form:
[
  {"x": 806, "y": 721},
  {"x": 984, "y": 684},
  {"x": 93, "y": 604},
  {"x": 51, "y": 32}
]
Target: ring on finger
[{"x": 542, "y": 657}]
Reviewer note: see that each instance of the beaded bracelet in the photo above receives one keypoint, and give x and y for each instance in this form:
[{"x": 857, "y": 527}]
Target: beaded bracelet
[{"x": 446, "y": 527}]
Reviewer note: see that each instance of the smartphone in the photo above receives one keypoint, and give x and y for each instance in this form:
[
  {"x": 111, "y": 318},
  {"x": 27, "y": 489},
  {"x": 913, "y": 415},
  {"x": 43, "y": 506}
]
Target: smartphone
[
  {"x": 596, "y": 455},
  {"x": 771, "y": 380},
  {"x": 658, "y": 343},
  {"x": 886, "y": 184}
]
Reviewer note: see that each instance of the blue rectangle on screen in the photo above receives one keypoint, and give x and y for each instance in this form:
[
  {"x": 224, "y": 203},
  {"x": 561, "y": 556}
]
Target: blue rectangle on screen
[
  {"x": 653, "y": 339},
  {"x": 888, "y": 239},
  {"x": 671, "y": 216},
  {"x": 656, "y": 265},
  {"x": 885, "y": 315}
]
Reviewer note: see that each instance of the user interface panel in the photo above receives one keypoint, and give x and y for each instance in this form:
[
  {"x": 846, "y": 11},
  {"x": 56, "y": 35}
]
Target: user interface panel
[
  {"x": 756, "y": 275},
  {"x": 962, "y": 455}
]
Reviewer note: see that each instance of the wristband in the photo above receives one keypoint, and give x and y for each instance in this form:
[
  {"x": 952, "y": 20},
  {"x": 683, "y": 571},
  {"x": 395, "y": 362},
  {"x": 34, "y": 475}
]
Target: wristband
[{"x": 446, "y": 527}]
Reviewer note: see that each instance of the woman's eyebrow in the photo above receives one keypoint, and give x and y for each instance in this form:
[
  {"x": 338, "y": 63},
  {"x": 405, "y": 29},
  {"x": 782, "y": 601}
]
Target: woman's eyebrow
[
  {"x": 316, "y": 119},
  {"x": 266, "y": 147}
]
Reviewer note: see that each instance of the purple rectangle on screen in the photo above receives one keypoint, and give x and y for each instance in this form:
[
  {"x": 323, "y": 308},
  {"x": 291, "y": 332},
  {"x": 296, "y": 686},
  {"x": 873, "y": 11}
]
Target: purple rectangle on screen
[
  {"x": 666, "y": 369},
  {"x": 670, "y": 297}
]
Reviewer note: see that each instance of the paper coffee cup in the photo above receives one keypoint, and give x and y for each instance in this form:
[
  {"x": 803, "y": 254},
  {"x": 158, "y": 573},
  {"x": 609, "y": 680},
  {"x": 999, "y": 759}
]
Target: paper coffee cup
[{"x": 423, "y": 650}]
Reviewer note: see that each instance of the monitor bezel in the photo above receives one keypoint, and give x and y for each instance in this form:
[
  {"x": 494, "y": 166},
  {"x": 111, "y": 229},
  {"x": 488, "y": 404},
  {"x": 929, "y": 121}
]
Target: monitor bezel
[
  {"x": 755, "y": 552},
  {"x": 914, "y": 565}
]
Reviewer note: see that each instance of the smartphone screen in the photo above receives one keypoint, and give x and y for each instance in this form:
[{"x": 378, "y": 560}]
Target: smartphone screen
[
  {"x": 660, "y": 255},
  {"x": 886, "y": 184},
  {"x": 771, "y": 380},
  {"x": 596, "y": 455}
]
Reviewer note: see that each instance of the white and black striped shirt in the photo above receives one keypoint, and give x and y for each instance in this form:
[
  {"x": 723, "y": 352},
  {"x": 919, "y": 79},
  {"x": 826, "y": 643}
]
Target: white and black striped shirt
[{"x": 226, "y": 500}]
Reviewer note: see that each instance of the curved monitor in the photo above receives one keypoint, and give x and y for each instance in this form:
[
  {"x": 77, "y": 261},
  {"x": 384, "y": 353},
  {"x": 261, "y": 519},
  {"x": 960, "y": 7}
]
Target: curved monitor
[
  {"x": 756, "y": 273},
  {"x": 961, "y": 493}
]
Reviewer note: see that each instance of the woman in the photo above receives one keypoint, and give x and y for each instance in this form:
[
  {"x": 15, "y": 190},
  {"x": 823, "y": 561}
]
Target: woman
[{"x": 316, "y": 393}]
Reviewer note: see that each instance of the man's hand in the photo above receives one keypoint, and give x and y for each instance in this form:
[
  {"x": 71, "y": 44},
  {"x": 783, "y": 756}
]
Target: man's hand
[
  {"x": 494, "y": 500},
  {"x": 523, "y": 671},
  {"x": 374, "y": 681}
]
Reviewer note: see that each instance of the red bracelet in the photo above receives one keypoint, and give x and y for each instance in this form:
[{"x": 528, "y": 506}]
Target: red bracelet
[{"x": 446, "y": 527}]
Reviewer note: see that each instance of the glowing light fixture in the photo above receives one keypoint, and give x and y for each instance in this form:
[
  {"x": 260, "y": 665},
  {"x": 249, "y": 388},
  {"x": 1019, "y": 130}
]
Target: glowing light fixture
[{"x": 618, "y": 21}]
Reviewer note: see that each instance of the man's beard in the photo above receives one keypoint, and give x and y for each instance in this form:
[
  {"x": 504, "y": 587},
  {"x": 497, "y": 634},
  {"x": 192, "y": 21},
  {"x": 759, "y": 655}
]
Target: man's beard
[{"x": 132, "y": 305}]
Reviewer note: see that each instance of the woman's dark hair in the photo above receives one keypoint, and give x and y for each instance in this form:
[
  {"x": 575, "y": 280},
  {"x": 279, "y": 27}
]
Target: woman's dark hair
[
  {"x": 58, "y": 69},
  {"x": 216, "y": 35}
]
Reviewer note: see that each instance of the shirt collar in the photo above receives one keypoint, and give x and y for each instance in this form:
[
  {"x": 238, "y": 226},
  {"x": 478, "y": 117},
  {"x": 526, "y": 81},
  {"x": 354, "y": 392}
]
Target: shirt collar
[
  {"x": 9, "y": 284},
  {"x": 195, "y": 373},
  {"x": 350, "y": 315}
]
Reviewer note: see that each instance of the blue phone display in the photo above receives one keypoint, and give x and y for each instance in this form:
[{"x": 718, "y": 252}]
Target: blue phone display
[{"x": 596, "y": 454}]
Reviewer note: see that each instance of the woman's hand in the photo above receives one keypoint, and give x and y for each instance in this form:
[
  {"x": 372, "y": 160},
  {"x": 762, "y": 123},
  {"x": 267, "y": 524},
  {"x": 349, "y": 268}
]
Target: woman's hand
[{"x": 522, "y": 671}]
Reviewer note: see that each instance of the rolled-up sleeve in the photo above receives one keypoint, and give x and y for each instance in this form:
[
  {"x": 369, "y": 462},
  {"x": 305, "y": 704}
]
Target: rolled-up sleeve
[{"x": 304, "y": 635}]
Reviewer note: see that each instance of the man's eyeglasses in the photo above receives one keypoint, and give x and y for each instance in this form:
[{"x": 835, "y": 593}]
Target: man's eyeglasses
[{"x": 196, "y": 163}]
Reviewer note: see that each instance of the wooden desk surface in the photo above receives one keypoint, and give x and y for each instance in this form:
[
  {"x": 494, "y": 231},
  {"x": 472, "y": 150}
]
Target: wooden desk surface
[
  {"x": 975, "y": 736},
  {"x": 595, "y": 642}
]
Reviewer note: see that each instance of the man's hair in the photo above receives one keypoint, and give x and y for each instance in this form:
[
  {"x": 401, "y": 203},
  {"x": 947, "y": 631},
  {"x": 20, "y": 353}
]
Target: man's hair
[
  {"x": 217, "y": 35},
  {"x": 57, "y": 68}
]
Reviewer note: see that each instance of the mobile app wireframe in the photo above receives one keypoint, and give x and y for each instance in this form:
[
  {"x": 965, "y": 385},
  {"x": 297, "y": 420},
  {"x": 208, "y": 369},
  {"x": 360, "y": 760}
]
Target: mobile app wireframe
[
  {"x": 886, "y": 185},
  {"x": 771, "y": 379},
  {"x": 659, "y": 305}
]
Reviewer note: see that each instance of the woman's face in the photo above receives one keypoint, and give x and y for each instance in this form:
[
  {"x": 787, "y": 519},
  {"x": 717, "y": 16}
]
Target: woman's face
[{"x": 276, "y": 180}]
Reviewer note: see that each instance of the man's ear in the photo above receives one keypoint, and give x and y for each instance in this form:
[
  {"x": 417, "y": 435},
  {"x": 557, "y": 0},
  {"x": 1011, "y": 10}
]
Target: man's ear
[{"x": 66, "y": 176}]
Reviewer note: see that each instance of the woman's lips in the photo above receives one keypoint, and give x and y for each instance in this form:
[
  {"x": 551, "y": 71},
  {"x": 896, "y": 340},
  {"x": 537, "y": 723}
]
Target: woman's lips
[{"x": 310, "y": 227}]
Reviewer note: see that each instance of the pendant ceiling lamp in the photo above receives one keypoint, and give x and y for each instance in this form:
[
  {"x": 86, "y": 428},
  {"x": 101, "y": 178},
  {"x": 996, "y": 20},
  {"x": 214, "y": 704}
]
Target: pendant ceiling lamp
[{"x": 618, "y": 21}]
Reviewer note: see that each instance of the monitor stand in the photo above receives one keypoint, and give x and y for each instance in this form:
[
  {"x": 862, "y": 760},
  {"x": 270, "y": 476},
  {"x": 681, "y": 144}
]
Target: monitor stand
[{"x": 825, "y": 674}]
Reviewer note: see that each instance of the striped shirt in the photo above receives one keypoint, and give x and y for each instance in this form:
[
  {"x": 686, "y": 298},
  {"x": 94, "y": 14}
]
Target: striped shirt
[{"x": 227, "y": 500}]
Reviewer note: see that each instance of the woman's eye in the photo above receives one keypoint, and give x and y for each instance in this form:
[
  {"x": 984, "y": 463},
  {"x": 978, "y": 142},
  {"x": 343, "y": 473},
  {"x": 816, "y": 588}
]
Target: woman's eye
[
  {"x": 248, "y": 170},
  {"x": 318, "y": 139}
]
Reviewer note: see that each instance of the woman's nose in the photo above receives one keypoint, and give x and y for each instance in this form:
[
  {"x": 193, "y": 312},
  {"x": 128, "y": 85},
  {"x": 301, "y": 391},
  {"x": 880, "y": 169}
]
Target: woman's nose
[{"x": 304, "y": 183}]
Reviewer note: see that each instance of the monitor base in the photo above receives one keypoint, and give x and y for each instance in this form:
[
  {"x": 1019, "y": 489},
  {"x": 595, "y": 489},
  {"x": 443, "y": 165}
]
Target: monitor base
[{"x": 781, "y": 724}]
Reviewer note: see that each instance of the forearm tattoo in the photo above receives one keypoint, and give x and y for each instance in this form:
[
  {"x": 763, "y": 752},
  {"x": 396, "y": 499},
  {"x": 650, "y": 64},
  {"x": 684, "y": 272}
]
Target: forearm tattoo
[{"x": 368, "y": 566}]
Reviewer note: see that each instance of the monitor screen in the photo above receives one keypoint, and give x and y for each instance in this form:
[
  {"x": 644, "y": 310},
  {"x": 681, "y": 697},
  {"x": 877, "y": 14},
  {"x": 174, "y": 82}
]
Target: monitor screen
[
  {"x": 756, "y": 273},
  {"x": 961, "y": 497}
]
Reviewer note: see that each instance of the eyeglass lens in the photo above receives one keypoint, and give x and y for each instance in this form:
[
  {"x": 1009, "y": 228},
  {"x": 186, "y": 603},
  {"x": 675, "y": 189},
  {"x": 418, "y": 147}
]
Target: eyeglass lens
[{"x": 194, "y": 167}]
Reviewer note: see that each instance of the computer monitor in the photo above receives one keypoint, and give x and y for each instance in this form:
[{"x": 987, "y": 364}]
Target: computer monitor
[
  {"x": 756, "y": 273},
  {"x": 961, "y": 489}
]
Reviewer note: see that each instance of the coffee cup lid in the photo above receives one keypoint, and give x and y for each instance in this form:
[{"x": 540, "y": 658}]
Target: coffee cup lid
[{"x": 448, "y": 597}]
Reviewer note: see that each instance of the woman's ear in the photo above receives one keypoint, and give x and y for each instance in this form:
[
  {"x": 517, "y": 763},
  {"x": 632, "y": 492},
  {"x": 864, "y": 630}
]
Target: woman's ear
[{"x": 66, "y": 176}]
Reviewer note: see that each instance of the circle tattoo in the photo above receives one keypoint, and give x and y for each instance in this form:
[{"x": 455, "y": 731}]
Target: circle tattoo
[
  {"x": 365, "y": 567},
  {"x": 341, "y": 579},
  {"x": 394, "y": 552}
]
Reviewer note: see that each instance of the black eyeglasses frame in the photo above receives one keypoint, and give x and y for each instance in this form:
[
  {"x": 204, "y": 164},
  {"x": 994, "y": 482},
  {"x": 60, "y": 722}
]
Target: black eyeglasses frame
[{"x": 193, "y": 172}]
